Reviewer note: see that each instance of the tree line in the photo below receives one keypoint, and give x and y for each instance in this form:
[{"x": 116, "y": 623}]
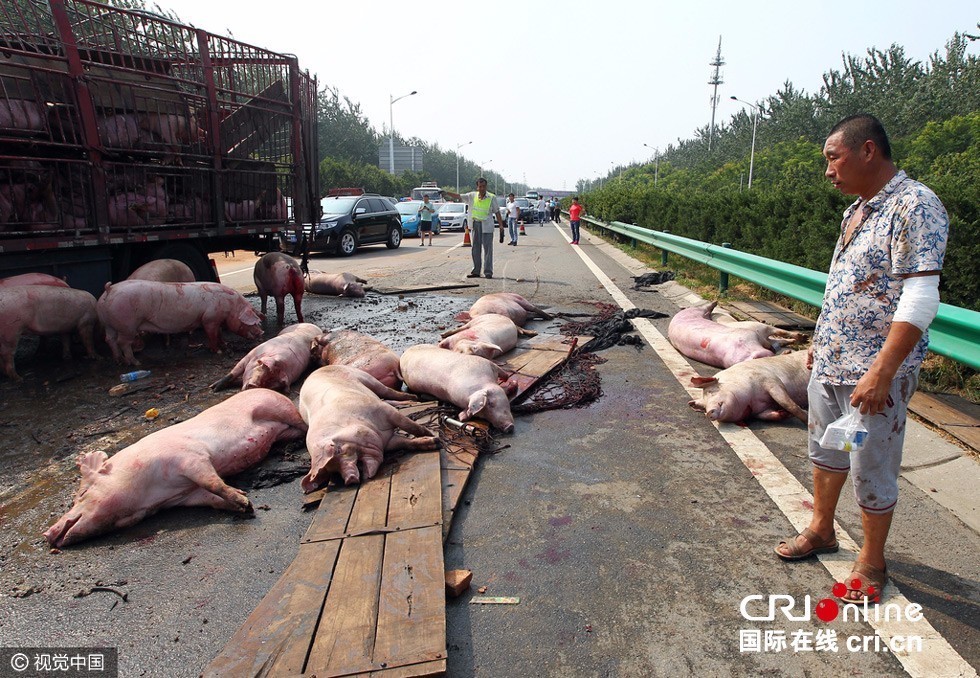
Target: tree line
[
  {"x": 349, "y": 154},
  {"x": 931, "y": 112}
]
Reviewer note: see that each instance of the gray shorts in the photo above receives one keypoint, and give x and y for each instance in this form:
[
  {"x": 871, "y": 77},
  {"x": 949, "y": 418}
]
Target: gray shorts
[{"x": 876, "y": 467}]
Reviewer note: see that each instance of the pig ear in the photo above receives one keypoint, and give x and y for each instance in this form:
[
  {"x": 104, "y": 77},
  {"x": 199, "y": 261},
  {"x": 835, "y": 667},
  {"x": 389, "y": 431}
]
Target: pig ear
[
  {"x": 478, "y": 401},
  {"x": 701, "y": 382},
  {"x": 90, "y": 464}
]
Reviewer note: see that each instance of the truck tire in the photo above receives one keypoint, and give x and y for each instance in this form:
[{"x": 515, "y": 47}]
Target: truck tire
[
  {"x": 348, "y": 243},
  {"x": 395, "y": 237},
  {"x": 195, "y": 259}
]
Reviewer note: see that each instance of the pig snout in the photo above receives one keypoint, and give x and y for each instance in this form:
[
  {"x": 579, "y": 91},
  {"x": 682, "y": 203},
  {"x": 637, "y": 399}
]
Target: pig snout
[{"x": 59, "y": 533}]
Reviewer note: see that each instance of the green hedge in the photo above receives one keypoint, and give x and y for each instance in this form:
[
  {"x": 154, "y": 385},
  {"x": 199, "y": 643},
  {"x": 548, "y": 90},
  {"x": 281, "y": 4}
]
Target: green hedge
[{"x": 793, "y": 215}]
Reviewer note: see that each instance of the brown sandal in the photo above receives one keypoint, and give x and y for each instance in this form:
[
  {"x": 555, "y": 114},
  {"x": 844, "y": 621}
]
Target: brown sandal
[
  {"x": 817, "y": 545},
  {"x": 865, "y": 579}
]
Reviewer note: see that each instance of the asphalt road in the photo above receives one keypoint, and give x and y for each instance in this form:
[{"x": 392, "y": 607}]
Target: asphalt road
[{"x": 631, "y": 530}]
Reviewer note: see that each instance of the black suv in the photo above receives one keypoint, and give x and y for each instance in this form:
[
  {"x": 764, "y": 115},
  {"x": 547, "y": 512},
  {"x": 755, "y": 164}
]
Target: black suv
[{"x": 349, "y": 221}]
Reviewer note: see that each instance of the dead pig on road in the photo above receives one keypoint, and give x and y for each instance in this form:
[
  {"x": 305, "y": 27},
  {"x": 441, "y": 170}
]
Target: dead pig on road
[{"x": 181, "y": 465}]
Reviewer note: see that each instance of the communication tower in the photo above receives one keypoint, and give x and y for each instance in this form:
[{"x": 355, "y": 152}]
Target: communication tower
[{"x": 715, "y": 80}]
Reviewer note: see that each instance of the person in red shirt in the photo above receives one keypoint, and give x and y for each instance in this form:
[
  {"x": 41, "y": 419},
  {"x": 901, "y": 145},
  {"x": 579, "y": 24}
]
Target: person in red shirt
[{"x": 575, "y": 217}]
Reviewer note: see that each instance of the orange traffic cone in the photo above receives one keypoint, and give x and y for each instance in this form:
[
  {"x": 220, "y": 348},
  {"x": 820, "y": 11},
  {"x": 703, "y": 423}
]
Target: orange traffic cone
[
  {"x": 466, "y": 239},
  {"x": 522, "y": 229}
]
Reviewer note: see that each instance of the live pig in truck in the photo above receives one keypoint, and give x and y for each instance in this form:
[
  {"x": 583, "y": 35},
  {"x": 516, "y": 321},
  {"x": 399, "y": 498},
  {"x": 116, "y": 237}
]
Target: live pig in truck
[{"x": 126, "y": 137}]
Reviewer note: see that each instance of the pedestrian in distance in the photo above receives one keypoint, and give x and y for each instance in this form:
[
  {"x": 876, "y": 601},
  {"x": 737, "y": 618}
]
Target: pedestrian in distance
[
  {"x": 426, "y": 210},
  {"x": 513, "y": 216},
  {"x": 882, "y": 293},
  {"x": 484, "y": 208},
  {"x": 575, "y": 218},
  {"x": 540, "y": 208},
  {"x": 556, "y": 210}
]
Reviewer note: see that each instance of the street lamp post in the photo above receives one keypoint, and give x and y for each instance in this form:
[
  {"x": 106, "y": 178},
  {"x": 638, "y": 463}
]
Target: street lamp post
[
  {"x": 489, "y": 166},
  {"x": 457, "y": 162},
  {"x": 755, "y": 122},
  {"x": 391, "y": 128},
  {"x": 656, "y": 167}
]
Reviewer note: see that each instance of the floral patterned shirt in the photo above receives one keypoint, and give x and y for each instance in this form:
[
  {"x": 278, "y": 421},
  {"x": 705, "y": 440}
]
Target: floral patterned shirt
[{"x": 903, "y": 230}]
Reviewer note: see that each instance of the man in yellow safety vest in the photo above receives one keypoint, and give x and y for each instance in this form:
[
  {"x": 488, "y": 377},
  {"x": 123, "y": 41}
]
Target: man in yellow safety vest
[{"x": 484, "y": 208}]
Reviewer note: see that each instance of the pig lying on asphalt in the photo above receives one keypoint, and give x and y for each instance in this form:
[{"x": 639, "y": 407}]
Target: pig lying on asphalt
[
  {"x": 350, "y": 425},
  {"x": 276, "y": 363},
  {"x": 487, "y": 336},
  {"x": 771, "y": 388},
  {"x": 346, "y": 347},
  {"x": 133, "y": 306},
  {"x": 697, "y": 336},
  {"x": 278, "y": 274},
  {"x": 181, "y": 465},
  {"x": 44, "y": 310},
  {"x": 163, "y": 270},
  {"x": 32, "y": 279},
  {"x": 467, "y": 381},
  {"x": 337, "y": 284},
  {"x": 512, "y": 305}
]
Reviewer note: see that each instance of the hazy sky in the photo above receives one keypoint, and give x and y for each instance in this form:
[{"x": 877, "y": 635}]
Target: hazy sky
[{"x": 558, "y": 91}]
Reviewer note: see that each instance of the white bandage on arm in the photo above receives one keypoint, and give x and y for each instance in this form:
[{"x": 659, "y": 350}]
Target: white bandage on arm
[{"x": 919, "y": 301}]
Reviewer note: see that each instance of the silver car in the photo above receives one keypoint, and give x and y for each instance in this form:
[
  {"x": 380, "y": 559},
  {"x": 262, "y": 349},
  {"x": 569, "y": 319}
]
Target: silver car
[{"x": 454, "y": 216}]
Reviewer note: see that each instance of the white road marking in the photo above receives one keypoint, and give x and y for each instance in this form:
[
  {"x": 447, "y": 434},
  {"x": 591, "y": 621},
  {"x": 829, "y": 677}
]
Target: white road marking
[
  {"x": 938, "y": 658},
  {"x": 241, "y": 270}
]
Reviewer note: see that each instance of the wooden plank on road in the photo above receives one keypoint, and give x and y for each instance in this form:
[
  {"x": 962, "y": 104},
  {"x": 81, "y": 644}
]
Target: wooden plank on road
[
  {"x": 425, "y": 288},
  {"x": 958, "y": 423},
  {"x": 344, "y": 640},
  {"x": 771, "y": 314},
  {"x": 412, "y": 607}
]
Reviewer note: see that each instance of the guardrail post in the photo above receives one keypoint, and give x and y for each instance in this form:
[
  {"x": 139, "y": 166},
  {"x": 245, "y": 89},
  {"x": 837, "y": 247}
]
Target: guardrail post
[
  {"x": 663, "y": 253},
  {"x": 723, "y": 277}
]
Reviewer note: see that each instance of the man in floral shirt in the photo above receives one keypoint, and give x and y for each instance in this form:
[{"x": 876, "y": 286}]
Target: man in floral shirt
[{"x": 882, "y": 293}]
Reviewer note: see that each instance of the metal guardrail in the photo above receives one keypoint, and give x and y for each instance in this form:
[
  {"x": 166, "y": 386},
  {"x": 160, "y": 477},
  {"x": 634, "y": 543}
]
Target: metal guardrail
[{"x": 955, "y": 333}]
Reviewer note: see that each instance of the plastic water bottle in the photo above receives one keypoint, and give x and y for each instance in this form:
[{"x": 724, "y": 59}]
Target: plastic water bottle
[{"x": 133, "y": 376}]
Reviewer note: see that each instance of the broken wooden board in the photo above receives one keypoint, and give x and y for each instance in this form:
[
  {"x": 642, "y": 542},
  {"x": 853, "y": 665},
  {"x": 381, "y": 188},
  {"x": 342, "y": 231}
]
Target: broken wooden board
[
  {"x": 771, "y": 314},
  {"x": 366, "y": 593},
  {"x": 944, "y": 413},
  {"x": 534, "y": 359},
  {"x": 424, "y": 288}
]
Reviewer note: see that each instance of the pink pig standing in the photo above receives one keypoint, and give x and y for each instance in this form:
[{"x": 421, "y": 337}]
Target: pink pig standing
[
  {"x": 278, "y": 274},
  {"x": 133, "y": 306},
  {"x": 182, "y": 465},
  {"x": 487, "y": 336},
  {"x": 697, "y": 336},
  {"x": 274, "y": 364},
  {"x": 512, "y": 305},
  {"x": 44, "y": 310},
  {"x": 350, "y": 425},
  {"x": 467, "y": 381}
]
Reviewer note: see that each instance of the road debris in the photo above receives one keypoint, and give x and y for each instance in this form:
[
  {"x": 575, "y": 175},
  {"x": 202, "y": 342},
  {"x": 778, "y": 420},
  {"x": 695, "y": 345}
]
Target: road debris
[{"x": 458, "y": 581}]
